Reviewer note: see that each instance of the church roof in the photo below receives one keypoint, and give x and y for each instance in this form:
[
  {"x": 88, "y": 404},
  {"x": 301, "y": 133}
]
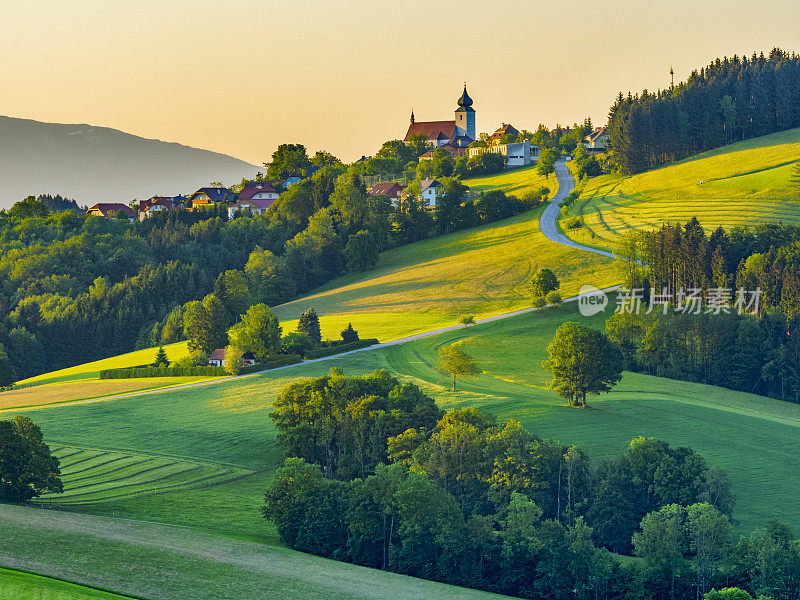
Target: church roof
[
  {"x": 432, "y": 130},
  {"x": 461, "y": 141}
]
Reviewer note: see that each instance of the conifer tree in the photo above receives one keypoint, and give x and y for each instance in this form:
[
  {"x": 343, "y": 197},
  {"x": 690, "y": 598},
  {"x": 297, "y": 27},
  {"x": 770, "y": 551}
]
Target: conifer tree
[
  {"x": 309, "y": 324},
  {"x": 349, "y": 335},
  {"x": 161, "y": 358}
]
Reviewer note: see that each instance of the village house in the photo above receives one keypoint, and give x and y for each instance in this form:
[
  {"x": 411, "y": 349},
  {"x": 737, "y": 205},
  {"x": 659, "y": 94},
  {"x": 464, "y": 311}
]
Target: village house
[
  {"x": 158, "y": 204},
  {"x": 256, "y": 206},
  {"x": 217, "y": 358},
  {"x": 596, "y": 141},
  {"x": 390, "y": 189},
  {"x": 208, "y": 197},
  {"x": 256, "y": 197},
  {"x": 258, "y": 190},
  {"x": 430, "y": 190},
  {"x": 504, "y": 130},
  {"x": 110, "y": 210}
]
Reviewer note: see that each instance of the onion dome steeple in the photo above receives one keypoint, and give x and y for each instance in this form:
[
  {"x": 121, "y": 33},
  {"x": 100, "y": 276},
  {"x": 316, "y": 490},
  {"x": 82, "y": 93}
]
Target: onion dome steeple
[{"x": 465, "y": 100}]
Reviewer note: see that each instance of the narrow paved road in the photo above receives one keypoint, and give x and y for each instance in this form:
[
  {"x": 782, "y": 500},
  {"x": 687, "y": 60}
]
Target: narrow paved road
[{"x": 547, "y": 222}]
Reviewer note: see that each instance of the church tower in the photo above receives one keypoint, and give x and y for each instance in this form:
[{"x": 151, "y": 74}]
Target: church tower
[{"x": 465, "y": 116}]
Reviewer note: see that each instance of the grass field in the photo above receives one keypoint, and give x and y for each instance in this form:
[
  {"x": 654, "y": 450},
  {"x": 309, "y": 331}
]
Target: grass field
[
  {"x": 420, "y": 287},
  {"x": 741, "y": 184},
  {"x": 169, "y": 563},
  {"x": 15, "y": 585},
  {"x": 92, "y": 370},
  {"x": 92, "y": 476},
  {"x": 228, "y": 424},
  {"x": 121, "y": 456},
  {"x": 83, "y": 389},
  {"x": 426, "y": 285},
  {"x": 517, "y": 182}
]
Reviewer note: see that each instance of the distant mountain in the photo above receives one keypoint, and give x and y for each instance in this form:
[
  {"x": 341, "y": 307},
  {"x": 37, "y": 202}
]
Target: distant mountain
[{"x": 97, "y": 164}]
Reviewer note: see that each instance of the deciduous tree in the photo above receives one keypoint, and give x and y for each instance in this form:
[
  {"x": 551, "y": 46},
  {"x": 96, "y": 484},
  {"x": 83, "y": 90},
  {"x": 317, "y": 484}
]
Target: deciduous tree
[
  {"x": 258, "y": 332},
  {"x": 27, "y": 468},
  {"x": 582, "y": 361},
  {"x": 457, "y": 363}
]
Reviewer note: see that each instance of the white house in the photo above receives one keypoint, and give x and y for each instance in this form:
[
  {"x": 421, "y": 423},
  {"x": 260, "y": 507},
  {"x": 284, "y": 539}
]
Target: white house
[
  {"x": 430, "y": 190},
  {"x": 258, "y": 190},
  {"x": 217, "y": 358},
  {"x": 256, "y": 206},
  {"x": 517, "y": 154}
]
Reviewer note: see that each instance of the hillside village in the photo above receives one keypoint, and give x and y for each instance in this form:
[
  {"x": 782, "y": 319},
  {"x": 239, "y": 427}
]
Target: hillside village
[{"x": 454, "y": 141}]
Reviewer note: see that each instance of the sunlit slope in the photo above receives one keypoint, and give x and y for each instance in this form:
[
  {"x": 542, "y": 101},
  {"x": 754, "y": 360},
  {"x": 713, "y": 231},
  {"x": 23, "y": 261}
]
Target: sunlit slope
[
  {"x": 481, "y": 271},
  {"x": 91, "y": 370},
  {"x": 741, "y": 184},
  {"x": 519, "y": 182}
]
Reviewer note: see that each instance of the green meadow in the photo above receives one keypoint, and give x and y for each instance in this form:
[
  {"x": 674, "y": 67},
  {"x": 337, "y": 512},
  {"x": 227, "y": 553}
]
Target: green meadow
[
  {"x": 16, "y": 585},
  {"x": 173, "y": 480},
  {"x": 740, "y": 184}
]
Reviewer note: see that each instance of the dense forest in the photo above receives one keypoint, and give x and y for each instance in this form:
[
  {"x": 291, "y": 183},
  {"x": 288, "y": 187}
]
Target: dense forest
[
  {"x": 76, "y": 288},
  {"x": 705, "y": 338},
  {"x": 378, "y": 475},
  {"x": 731, "y": 99}
]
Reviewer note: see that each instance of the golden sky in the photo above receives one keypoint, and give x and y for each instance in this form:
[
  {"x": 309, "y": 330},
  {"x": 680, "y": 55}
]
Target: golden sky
[{"x": 241, "y": 76}]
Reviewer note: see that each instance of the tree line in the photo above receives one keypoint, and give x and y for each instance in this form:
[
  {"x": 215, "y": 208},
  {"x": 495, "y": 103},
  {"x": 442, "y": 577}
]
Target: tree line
[
  {"x": 757, "y": 351},
  {"x": 730, "y": 99},
  {"x": 376, "y": 474}
]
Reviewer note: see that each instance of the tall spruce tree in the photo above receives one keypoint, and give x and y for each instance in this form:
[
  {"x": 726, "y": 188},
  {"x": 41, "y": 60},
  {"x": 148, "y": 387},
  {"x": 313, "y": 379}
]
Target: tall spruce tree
[{"x": 309, "y": 324}]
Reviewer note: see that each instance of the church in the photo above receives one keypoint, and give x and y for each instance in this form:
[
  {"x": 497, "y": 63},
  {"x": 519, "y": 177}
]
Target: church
[{"x": 453, "y": 136}]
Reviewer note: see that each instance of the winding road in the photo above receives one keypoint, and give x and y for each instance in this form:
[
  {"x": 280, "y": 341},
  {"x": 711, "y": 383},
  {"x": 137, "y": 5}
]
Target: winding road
[{"x": 547, "y": 222}]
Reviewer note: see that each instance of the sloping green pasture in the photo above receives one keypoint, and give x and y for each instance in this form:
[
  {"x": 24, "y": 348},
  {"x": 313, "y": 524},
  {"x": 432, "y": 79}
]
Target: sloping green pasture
[{"x": 745, "y": 183}]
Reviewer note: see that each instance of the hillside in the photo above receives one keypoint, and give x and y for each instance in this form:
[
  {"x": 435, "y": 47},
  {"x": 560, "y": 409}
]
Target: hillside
[
  {"x": 740, "y": 184},
  {"x": 98, "y": 164},
  {"x": 481, "y": 271}
]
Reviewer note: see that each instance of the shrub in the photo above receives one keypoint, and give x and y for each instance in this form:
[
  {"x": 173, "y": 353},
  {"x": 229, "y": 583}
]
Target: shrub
[
  {"x": 296, "y": 343},
  {"x": 553, "y": 298},
  {"x": 544, "y": 281},
  {"x": 161, "y": 358},
  {"x": 331, "y": 350},
  {"x": 538, "y": 302},
  {"x": 279, "y": 360},
  {"x": 534, "y": 199},
  {"x": 309, "y": 324},
  {"x": 574, "y": 222},
  {"x": 467, "y": 320},
  {"x": 233, "y": 360}
]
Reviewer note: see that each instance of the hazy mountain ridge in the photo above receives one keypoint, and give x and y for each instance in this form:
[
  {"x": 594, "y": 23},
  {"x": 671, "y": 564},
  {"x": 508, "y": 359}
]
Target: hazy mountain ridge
[{"x": 99, "y": 164}]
